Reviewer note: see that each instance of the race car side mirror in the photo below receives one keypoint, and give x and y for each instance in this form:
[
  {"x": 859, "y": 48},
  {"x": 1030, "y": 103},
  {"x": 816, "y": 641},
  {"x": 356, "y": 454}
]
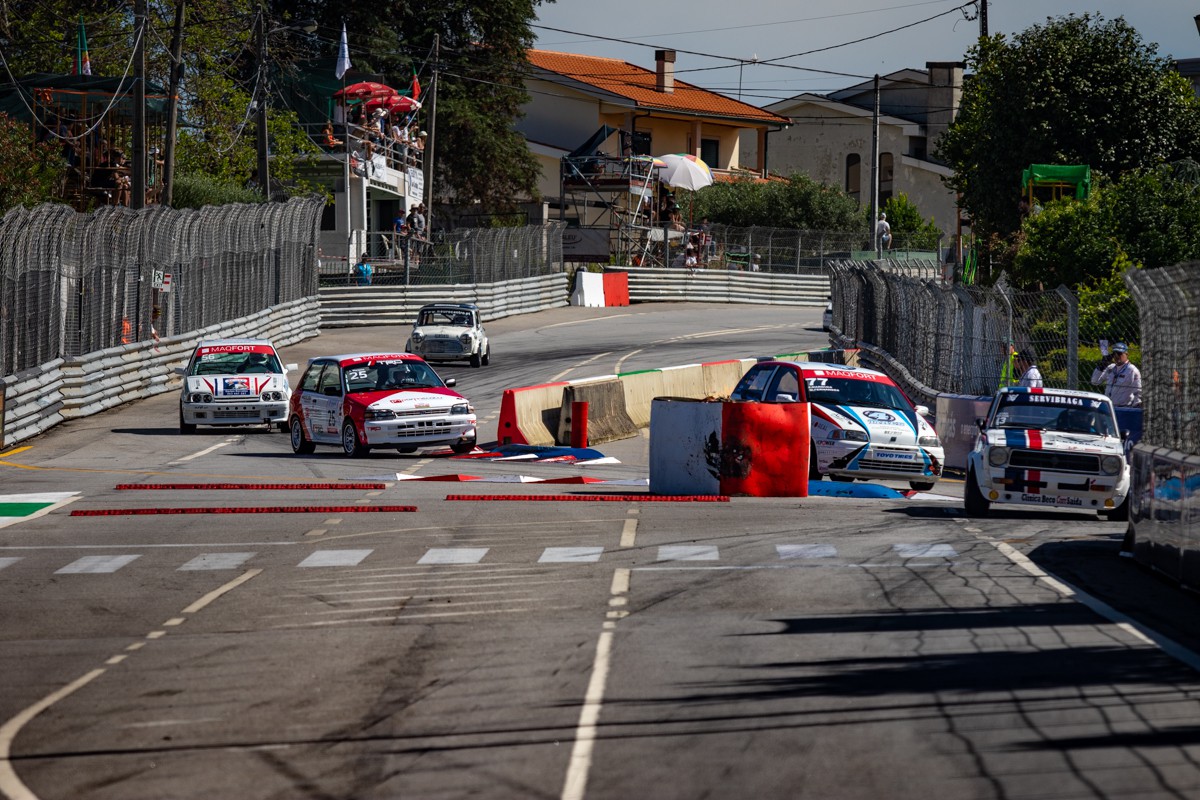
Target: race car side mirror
[
  {"x": 785, "y": 398},
  {"x": 290, "y": 367},
  {"x": 452, "y": 382},
  {"x": 181, "y": 370},
  {"x": 981, "y": 424},
  {"x": 922, "y": 410},
  {"x": 1125, "y": 435}
]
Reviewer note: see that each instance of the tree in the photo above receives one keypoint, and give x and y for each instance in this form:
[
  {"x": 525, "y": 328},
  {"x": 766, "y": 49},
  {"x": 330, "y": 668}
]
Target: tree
[
  {"x": 909, "y": 229},
  {"x": 1076, "y": 90},
  {"x": 798, "y": 202},
  {"x": 30, "y": 172}
]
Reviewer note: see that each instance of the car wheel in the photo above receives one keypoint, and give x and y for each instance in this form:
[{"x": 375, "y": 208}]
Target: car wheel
[
  {"x": 814, "y": 470},
  {"x": 476, "y": 361},
  {"x": 1118, "y": 514},
  {"x": 283, "y": 426},
  {"x": 487, "y": 355},
  {"x": 921, "y": 486},
  {"x": 463, "y": 447},
  {"x": 185, "y": 427},
  {"x": 350, "y": 444},
  {"x": 300, "y": 443},
  {"x": 841, "y": 478},
  {"x": 974, "y": 503}
]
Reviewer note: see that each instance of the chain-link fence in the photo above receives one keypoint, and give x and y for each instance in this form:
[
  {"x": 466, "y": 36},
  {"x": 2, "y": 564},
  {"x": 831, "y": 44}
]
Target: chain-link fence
[
  {"x": 74, "y": 283},
  {"x": 957, "y": 339},
  {"x": 1168, "y": 302},
  {"x": 466, "y": 255}
]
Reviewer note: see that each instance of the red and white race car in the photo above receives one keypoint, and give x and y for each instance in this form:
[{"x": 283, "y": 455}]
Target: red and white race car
[
  {"x": 862, "y": 425},
  {"x": 234, "y": 382},
  {"x": 367, "y": 400}
]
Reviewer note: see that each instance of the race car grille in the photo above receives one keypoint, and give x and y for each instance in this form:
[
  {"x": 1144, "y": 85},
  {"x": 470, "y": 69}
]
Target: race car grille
[
  {"x": 1054, "y": 461},
  {"x": 881, "y": 465},
  {"x": 222, "y": 413},
  {"x": 424, "y": 412},
  {"x": 422, "y": 428},
  {"x": 444, "y": 347}
]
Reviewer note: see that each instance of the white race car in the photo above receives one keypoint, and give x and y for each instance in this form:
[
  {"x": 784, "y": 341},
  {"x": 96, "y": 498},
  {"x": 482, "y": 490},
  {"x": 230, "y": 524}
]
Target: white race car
[
  {"x": 1049, "y": 448},
  {"x": 234, "y": 382},
  {"x": 450, "y": 332},
  {"x": 862, "y": 425}
]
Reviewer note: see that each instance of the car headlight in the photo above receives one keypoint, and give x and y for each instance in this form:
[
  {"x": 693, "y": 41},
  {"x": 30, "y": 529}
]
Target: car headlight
[
  {"x": 199, "y": 397},
  {"x": 461, "y": 409},
  {"x": 272, "y": 397},
  {"x": 1111, "y": 465},
  {"x": 375, "y": 415},
  {"x": 998, "y": 456},
  {"x": 850, "y": 436},
  {"x": 465, "y": 338},
  {"x": 417, "y": 336},
  {"x": 929, "y": 441}
]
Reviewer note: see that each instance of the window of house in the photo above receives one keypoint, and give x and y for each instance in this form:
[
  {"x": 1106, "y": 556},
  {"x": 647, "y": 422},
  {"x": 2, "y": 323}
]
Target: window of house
[
  {"x": 641, "y": 143},
  {"x": 329, "y": 217},
  {"x": 917, "y": 147},
  {"x": 853, "y": 175},
  {"x": 710, "y": 151}
]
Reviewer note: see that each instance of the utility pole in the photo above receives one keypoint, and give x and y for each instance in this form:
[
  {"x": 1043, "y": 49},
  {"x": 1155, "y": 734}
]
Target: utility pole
[
  {"x": 875, "y": 172},
  {"x": 983, "y": 28},
  {"x": 429, "y": 147},
  {"x": 263, "y": 169},
  {"x": 168, "y": 173},
  {"x": 137, "y": 198}
]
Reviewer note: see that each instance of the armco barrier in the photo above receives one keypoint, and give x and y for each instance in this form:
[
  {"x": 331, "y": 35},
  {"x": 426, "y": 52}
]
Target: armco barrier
[
  {"x": 754, "y": 449},
  {"x": 38, "y": 399},
  {"x": 607, "y": 418},
  {"x": 350, "y": 306},
  {"x": 648, "y": 284}
]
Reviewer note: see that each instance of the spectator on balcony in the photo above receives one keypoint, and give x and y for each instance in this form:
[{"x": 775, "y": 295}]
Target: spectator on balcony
[{"x": 330, "y": 139}]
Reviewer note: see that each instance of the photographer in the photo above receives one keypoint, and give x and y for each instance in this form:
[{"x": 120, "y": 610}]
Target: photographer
[{"x": 1121, "y": 379}]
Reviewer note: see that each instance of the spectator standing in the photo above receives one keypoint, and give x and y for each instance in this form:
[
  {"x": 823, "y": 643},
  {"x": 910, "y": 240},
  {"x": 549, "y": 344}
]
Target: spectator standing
[
  {"x": 883, "y": 233},
  {"x": 1121, "y": 379},
  {"x": 1031, "y": 376}
]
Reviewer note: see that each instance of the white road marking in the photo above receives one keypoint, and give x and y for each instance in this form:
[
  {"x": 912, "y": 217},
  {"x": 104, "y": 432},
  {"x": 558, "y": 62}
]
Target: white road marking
[
  {"x": 629, "y": 532},
  {"x": 806, "y": 550},
  {"x": 453, "y": 555},
  {"x": 589, "y": 716},
  {"x": 570, "y": 555},
  {"x": 583, "y": 363},
  {"x": 582, "y": 321},
  {"x": 95, "y": 564},
  {"x": 924, "y": 550},
  {"x": 204, "y": 452},
  {"x": 626, "y": 357},
  {"x": 9, "y": 561},
  {"x": 1127, "y": 624},
  {"x": 220, "y": 590},
  {"x": 335, "y": 558},
  {"x": 686, "y": 552},
  {"x": 216, "y": 561},
  {"x": 620, "y": 581}
]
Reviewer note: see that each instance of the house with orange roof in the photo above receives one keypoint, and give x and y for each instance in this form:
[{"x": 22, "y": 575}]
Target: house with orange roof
[{"x": 649, "y": 113}]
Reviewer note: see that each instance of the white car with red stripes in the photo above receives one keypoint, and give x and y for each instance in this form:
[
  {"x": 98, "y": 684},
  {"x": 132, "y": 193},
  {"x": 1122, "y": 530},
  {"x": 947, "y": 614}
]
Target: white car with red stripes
[
  {"x": 1049, "y": 448},
  {"x": 234, "y": 382},
  {"x": 862, "y": 426}
]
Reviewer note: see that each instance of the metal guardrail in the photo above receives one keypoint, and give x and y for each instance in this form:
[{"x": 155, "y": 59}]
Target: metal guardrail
[{"x": 650, "y": 284}]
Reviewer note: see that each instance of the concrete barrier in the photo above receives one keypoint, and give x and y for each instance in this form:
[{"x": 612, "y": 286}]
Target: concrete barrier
[
  {"x": 721, "y": 376},
  {"x": 608, "y": 420},
  {"x": 529, "y": 415},
  {"x": 640, "y": 390},
  {"x": 589, "y": 289},
  {"x": 752, "y": 449},
  {"x": 684, "y": 381}
]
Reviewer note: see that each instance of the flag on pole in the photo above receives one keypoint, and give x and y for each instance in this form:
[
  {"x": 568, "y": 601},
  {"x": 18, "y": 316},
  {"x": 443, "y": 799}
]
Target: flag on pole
[
  {"x": 416, "y": 87},
  {"x": 83, "y": 64},
  {"x": 343, "y": 59}
]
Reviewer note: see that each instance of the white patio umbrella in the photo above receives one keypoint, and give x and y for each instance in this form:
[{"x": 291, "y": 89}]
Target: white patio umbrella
[{"x": 685, "y": 171}]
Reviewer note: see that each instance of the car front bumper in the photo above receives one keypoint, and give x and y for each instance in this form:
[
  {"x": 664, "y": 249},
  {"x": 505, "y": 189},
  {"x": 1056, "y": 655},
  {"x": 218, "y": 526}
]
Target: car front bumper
[
  {"x": 1083, "y": 491},
  {"x": 239, "y": 413},
  {"x": 422, "y": 431},
  {"x": 881, "y": 462}
]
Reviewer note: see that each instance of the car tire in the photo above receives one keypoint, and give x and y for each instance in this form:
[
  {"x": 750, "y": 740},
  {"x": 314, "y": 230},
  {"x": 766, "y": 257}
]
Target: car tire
[
  {"x": 476, "y": 360},
  {"x": 920, "y": 486},
  {"x": 283, "y": 427},
  {"x": 841, "y": 478},
  {"x": 487, "y": 355},
  {"x": 406, "y": 448},
  {"x": 974, "y": 503},
  {"x": 1118, "y": 514},
  {"x": 462, "y": 448},
  {"x": 408, "y": 346},
  {"x": 350, "y": 444},
  {"x": 301, "y": 446},
  {"x": 814, "y": 470},
  {"x": 186, "y": 428}
]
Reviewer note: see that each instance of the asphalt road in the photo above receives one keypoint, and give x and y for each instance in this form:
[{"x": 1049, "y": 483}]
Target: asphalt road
[{"x": 774, "y": 648}]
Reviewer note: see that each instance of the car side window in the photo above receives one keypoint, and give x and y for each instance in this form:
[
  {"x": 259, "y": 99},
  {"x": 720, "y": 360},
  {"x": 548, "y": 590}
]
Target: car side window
[
  {"x": 331, "y": 378},
  {"x": 309, "y": 382},
  {"x": 753, "y": 384},
  {"x": 786, "y": 383}
]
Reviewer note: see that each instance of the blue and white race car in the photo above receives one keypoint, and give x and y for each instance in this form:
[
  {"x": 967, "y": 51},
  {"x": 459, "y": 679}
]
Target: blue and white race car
[{"x": 862, "y": 425}]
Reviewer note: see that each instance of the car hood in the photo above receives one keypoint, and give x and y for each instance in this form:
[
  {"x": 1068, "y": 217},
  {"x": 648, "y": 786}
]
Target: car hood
[
  {"x": 883, "y": 425},
  {"x": 443, "y": 331},
  {"x": 235, "y": 385},
  {"x": 410, "y": 399},
  {"x": 1055, "y": 440}
]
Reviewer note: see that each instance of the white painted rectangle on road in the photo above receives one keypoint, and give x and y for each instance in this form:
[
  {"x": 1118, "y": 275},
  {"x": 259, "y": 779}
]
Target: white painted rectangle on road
[
  {"x": 453, "y": 555},
  {"x": 925, "y": 550},
  {"x": 95, "y": 564},
  {"x": 571, "y": 555},
  {"x": 335, "y": 558},
  {"x": 687, "y": 552},
  {"x": 9, "y": 561},
  {"x": 806, "y": 550},
  {"x": 216, "y": 561}
]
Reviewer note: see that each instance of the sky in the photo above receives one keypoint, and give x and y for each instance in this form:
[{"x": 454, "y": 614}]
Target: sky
[{"x": 853, "y": 39}]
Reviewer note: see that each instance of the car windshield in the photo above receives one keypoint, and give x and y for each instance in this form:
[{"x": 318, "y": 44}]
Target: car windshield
[
  {"x": 855, "y": 392},
  {"x": 457, "y": 317},
  {"x": 235, "y": 364},
  {"x": 1060, "y": 413},
  {"x": 378, "y": 376}
]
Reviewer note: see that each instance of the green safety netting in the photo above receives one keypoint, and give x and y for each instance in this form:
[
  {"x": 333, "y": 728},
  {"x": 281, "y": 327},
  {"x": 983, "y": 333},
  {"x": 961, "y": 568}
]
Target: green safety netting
[{"x": 1079, "y": 176}]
